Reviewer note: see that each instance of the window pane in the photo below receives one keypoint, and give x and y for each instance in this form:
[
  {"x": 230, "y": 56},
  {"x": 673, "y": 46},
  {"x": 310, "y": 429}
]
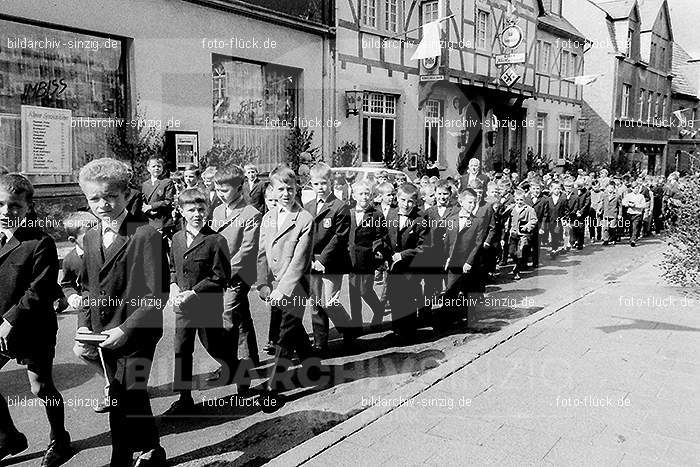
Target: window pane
[
  {"x": 389, "y": 134},
  {"x": 365, "y": 140}
]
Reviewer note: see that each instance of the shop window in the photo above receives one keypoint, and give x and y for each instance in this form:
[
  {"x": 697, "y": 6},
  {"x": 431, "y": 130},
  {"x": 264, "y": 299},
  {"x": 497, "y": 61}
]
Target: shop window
[
  {"x": 378, "y": 126},
  {"x": 60, "y": 69},
  {"x": 433, "y": 115},
  {"x": 246, "y": 93},
  {"x": 626, "y": 91},
  {"x": 641, "y": 104}
]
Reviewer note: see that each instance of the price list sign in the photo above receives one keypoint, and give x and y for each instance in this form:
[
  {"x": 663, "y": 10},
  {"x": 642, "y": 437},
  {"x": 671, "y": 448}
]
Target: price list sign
[{"x": 46, "y": 140}]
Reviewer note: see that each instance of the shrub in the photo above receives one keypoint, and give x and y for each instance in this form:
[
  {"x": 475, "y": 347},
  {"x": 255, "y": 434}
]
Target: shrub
[
  {"x": 681, "y": 262},
  {"x": 224, "y": 154},
  {"x": 346, "y": 155}
]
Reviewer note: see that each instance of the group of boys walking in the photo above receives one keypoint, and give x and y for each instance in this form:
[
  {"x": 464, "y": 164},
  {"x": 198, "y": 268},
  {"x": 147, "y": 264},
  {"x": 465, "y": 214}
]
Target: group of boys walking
[{"x": 436, "y": 245}]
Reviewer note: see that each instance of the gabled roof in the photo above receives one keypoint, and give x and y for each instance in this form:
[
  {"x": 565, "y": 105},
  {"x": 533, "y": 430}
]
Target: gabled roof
[
  {"x": 616, "y": 9},
  {"x": 685, "y": 79},
  {"x": 560, "y": 25},
  {"x": 649, "y": 11}
]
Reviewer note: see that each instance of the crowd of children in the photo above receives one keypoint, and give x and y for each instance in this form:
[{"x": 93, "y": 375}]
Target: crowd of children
[{"x": 426, "y": 247}]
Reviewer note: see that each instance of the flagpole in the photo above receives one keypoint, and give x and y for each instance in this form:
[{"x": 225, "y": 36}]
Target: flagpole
[{"x": 415, "y": 29}]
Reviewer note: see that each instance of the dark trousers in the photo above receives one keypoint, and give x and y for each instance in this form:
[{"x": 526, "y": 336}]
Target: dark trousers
[
  {"x": 402, "y": 291},
  {"x": 213, "y": 339},
  {"x": 578, "y": 231},
  {"x": 362, "y": 288},
  {"x": 273, "y": 333},
  {"x": 42, "y": 386},
  {"x": 636, "y": 222},
  {"x": 238, "y": 322},
  {"x": 292, "y": 337},
  {"x": 131, "y": 421},
  {"x": 535, "y": 246}
]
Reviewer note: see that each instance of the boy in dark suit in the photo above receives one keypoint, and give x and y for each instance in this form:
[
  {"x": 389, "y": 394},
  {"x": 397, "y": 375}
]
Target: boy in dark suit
[
  {"x": 125, "y": 276},
  {"x": 158, "y": 195},
  {"x": 407, "y": 237},
  {"x": 522, "y": 222},
  {"x": 254, "y": 188},
  {"x": 367, "y": 244},
  {"x": 200, "y": 267},
  {"x": 284, "y": 262},
  {"x": 330, "y": 258},
  {"x": 579, "y": 203},
  {"x": 463, "y": 244},
  {"x": 239, "y": 223},
  {"x": 28, "y": 325},
  {"x": 558, "y": 220},
  {"x": 541, "y": 206},
  {"x": 433, "y": 258}
]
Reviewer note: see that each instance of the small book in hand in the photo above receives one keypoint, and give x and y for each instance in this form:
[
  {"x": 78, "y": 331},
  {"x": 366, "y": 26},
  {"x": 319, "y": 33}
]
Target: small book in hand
[{"x": 90, "y": 338}]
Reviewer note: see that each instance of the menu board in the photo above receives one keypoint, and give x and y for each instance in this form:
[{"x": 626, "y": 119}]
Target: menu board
[{"x": 46, "y": 140}]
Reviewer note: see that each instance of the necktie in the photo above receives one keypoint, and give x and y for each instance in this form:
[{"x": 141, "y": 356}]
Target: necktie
[
  {"x": 108, "y": 237},
  {"x": 402, "y": 221},
  {"x": 359, "y": 215},
  {"x": 319, "y": 206},
  {"x": 3, "y": 239},
  {"x": 464, "y": 221}
]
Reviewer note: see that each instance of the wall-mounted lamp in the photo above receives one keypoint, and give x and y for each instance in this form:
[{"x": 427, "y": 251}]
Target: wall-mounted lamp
[
  {"x": 582, "y": 124},
  {"x": 353, "y": 101}
]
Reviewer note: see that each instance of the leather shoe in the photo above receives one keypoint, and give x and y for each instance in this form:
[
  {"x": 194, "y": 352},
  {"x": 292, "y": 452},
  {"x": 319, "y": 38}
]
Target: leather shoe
[
  {"x": 58, "y": 452},
  {"x": 13, "y": 446},
  {"x": 153, "y": 458}
]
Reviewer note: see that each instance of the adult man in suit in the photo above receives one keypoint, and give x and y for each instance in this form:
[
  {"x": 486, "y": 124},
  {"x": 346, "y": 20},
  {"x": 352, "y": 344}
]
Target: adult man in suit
[
  {"x": 578, "y": 206},
  {"x": 158, "y": 195},
  {"x": 254, "y": 188},
  {"x": 473, "y": 173},
  {"x": 558, "y": 217},
  {"x": 330, "y": 258},
  {"x": 125, "y": 276},
  {"x": 485, "y": 220}
]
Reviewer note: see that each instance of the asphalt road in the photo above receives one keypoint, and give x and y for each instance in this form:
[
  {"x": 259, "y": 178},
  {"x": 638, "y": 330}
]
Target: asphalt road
[{"x": 227, "y": 432}]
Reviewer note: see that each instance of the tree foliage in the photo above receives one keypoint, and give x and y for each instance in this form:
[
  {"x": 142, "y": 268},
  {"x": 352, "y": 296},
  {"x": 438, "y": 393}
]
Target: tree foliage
[
  {"x": 224, "y": 154},
  {"x": 681, "y": 263},
  {"x": 299, "y": 153}
]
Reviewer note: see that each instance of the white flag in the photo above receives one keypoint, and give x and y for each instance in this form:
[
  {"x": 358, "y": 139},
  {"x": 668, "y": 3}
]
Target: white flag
[
  {"x": 585, "y": 80},
  {"x": 679, "y": 115},
  {"x": 430, "y": 44}
]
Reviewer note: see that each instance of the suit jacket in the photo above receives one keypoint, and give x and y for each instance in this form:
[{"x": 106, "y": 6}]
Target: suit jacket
[
  {"x": 435, "y": 254},
  {"x": 367, "y": 239},
  {"x": 255, "y": 196},
  {"x": 134, "y": 203},
  {"x": 331, "y": 230},
  {"x": 485, "y": 218},
  {"x": 467, "y": 177},
  {"x": 578, "y": 202},
  {"x": 611, "y": 206},
  {"x": 213, "y": 204},
  {"x": 558, "y": 212},
  {"x": 126, "y": 285},
  {"x": 284, "y": 256},
  {"x": 160, "y": 196},
  {"x": 71, "y": 282},
  {"x": 29, "y": 271},
  {"x": 463, "y": 246},
  {"x": 204, "y": 268},
  {"x": 409, "y": 241},
  {"x": 541, "y": 207},
  {"x": 241, "y": 230}
]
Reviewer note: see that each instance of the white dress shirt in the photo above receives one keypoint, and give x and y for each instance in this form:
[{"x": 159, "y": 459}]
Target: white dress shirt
[
  {"x": 111, "y": 228},
  {"x": 190, "y": 234}
]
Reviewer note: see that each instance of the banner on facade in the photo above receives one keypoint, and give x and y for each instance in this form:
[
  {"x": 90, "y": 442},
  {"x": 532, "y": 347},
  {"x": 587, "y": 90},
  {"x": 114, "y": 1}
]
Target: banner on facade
[{"x": 46, "y": 141}]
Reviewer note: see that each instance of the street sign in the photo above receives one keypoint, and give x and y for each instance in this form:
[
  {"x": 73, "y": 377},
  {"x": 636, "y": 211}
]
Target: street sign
[
  {"x": 509, "y": 76},
  {"x": 432, "y": 77},
  {"x": 510, "y": 59}
]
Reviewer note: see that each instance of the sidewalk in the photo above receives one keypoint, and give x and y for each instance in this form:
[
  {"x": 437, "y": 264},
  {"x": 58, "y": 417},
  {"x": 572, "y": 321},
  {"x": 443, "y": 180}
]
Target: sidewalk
[{"x": 609, "y": 380}]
